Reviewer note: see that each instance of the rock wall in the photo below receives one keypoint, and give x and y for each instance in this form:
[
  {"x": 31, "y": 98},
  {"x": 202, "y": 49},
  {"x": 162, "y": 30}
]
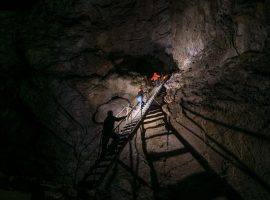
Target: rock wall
[
  {"x": 65, "y": 63},
  {"x": 212, "y": 31},
  {"x": 220, "y": 98}
]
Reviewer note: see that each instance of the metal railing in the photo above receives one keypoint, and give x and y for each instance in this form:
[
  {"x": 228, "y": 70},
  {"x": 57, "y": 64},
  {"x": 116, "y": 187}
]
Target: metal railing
[
  {"x": 127, "y": 126},
  {"x": 135, "y": 113}
]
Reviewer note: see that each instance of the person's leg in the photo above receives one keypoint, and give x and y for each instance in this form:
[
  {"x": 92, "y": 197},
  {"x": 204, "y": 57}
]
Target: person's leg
[
  {"x": 113, "y": 145},
  {"x": 105, "y": 141},
  {"x": 115, "y": 136},
  {"x": 140, "y": 101}
]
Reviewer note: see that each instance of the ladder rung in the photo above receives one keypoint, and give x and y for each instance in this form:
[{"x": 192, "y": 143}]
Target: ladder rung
[
  {"x": 131, "y": 125},
  {"x": 125, "y": 131}
]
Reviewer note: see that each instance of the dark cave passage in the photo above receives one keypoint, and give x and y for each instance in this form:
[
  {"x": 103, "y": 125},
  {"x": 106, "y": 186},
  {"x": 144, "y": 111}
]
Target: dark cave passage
[
  {"x": 64, "y": 64},
  {"x": 144, "y": 65}
]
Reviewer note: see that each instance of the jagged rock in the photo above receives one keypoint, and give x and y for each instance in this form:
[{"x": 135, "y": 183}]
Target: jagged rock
[{"x": 227, "y": 113}]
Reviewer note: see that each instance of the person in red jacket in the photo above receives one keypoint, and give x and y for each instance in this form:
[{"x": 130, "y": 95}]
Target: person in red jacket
[{"x": 155, "y": 78}]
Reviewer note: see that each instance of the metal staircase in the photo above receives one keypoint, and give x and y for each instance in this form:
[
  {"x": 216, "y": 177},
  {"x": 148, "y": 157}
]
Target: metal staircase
[{"x": 126, "y": 129}]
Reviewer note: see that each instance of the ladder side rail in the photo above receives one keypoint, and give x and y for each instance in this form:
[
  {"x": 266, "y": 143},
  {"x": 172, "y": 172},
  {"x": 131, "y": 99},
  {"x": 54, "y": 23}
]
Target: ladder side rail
[
  {"x": 132, "y": 133},
  {"x": 117, "y": 128}
]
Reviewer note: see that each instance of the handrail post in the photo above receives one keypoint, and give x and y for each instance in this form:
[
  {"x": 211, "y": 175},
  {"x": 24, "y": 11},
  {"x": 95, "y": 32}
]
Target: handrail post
[
  {"x": 131, "y": 117},
  {"x": 141, "y": 112},
  {"x": 127, "y": 108}
]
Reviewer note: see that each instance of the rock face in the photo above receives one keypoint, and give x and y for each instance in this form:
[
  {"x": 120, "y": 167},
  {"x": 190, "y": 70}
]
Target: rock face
[
  {"x": 225, "y": 120},
  {"x": 65, "y": 63},
  {"x": 209, "y": 32},
  {"x": 160, "y": 163},
  {"x": 221, "y": 95}
]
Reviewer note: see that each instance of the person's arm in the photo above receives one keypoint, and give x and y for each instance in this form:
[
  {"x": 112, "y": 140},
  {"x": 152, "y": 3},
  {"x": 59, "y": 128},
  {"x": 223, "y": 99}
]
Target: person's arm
[
  {"x": 119, "y": 118},
  {"x": 123, "y": 117}
]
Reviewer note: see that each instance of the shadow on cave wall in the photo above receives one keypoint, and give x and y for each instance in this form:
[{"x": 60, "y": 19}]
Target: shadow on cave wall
[
  {"x": 238, "y": 135},
  {"x": 36, "y": 132},
  {"x": 205, "y": 185},
  {"x": 228, "y": 155},
  {"x": 198, "y": 186},
  {"x": 19, "y": 139}
]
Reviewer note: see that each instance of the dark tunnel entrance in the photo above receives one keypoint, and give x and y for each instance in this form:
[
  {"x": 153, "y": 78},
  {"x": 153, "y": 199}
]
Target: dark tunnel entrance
[{"x": 145, "y": 65}]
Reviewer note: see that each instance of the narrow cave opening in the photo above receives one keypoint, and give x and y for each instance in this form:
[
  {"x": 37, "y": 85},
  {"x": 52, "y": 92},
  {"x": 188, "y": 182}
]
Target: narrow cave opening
[{"x": 144, "y": 65}]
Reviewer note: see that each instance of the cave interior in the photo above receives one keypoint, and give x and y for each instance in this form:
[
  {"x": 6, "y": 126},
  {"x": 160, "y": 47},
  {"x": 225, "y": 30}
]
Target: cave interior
[{"x": 203, "y": 131}]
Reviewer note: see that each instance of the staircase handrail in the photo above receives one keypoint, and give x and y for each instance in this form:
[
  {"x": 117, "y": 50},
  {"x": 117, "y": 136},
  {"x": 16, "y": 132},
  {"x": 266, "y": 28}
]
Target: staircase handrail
[
  {"x": 149, "y": 101},
  {"x": 116, "y": 129},
  {"x": 152, "y": 93}
]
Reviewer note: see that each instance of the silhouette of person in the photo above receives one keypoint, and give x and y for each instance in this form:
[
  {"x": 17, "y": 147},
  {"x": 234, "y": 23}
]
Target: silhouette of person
[{"x": 108, "y": 131}]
